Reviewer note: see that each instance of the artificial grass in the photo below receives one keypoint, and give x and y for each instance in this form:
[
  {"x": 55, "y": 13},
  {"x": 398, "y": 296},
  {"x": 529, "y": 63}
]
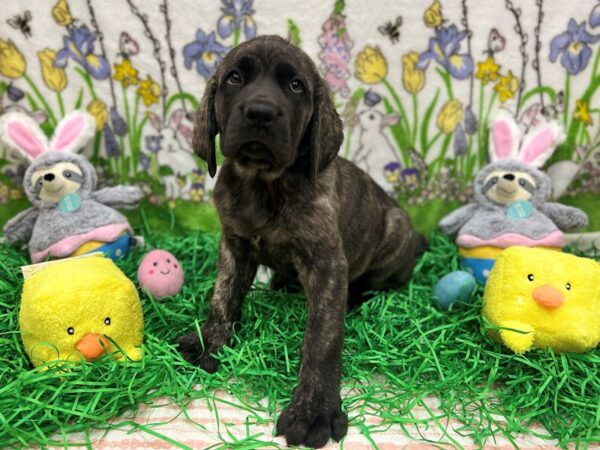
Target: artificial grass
[{"x": 399, "y": 349}]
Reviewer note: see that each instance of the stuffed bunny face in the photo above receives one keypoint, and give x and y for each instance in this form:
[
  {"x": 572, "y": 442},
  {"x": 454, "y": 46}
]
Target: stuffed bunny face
[
  {"x": 507, "y": 186},
  {"x": 51, "y": 183},
  {"x": 55, "y": 170},
  {"x": 56, "y": 174},
  {"x": 513, "y": 175}
]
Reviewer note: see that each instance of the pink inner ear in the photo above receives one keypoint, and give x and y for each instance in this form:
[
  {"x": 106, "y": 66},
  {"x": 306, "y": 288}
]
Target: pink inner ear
[
  {"x": 69, "y": 132},
  {"x": 390, "y": 119},
  {"x": 187, "y": 133},
  {"x": 176, "y": 118},
  {"x": 25, "y": 139},
  {"x": 543, "y": 142},
  {"x": 503, "y": 140}
]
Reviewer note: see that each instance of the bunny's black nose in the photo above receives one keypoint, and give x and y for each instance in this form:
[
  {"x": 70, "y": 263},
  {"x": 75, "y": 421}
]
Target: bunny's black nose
[
  {"x": 49, "y": 177},
  {"x": 509, "y": 177}
]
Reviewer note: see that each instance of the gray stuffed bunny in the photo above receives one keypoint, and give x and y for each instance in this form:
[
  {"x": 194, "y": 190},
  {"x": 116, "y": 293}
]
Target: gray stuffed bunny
[
  {"x": 510, "y": 205},
  {"x": 68, "y": 217}
]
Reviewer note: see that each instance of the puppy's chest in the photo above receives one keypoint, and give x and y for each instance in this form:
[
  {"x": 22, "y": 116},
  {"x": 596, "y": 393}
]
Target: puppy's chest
[{"x": 267, "y": 236}]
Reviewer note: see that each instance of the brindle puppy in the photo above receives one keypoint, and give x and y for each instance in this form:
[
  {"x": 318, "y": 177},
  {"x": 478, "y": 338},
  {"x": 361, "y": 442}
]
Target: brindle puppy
[{"x": 286, "y": 200}]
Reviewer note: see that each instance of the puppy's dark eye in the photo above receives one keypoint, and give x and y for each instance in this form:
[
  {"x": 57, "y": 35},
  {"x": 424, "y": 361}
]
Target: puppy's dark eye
[
  {"x": 494, "y": 180},
  {"x": 67, "y": 174},
  {"x": 234, "y": 78},
  {"x": 297, "y": 87},
  {"x": 522, "y": 182}
]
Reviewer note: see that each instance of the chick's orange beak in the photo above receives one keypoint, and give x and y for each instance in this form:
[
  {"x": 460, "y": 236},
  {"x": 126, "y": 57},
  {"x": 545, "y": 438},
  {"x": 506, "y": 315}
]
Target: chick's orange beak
[
  {"x": 548, "y": 296},
  {"x": 90, "y": 346}
]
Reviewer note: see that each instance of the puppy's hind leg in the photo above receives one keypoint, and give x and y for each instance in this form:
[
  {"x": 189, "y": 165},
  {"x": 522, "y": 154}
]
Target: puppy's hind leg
[
  {"x": 236, "y": 270},
  {"x": 398, "y": 254}
]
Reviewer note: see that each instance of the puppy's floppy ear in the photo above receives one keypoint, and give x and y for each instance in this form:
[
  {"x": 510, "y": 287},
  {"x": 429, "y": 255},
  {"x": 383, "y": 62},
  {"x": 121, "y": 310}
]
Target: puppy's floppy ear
[
  {"x": 205, "y": 127},
  {"x": 326, "y": 131}
]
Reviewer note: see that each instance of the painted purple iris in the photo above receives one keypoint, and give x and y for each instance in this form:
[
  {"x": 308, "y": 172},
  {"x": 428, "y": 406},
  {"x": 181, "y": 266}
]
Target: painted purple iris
[
  {"x": 235, "y": 14},
  {"x": 144, "y": 162},
  {"x": 444, "y": 48},
  {"x": 153, "y": 143},
  {"x": 460, "y": 141},
  {"x": 574, "y": 46},
  {"x": 79, "y": 46},
  {"x": 371, "y": 98},
  {"x": 205, "y": 51},
  {"x": 470, "y": 121},
  {"x": 595, "y": 16},
  {"x": 14, "y": 93},
  {"x": 118, "y": 123},
  {"x": 110, "y": 142}
]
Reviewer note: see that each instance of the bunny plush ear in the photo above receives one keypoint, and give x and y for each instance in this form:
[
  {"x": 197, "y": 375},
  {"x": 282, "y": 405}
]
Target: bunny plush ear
[
  {"x": 504, "y": 137},
  {"x": 22, "y": 133},
  {"x": 540, "y": 143},
  {"x": 73, "y": 132}
]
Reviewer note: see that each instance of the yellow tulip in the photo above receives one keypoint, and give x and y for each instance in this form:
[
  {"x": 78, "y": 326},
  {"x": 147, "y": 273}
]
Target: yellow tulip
[
  {"x": 62, "y": 14},
  {"x": 433, "y": 15},
  {"x": 12, "y": 62},
  {"x": 54, "y": 77},
  {"x": 413, "y": 79},
  {"x": 450, "y": 116},
  {"x": 371, "y": 66},
  {"x": 97, "y": 108}
]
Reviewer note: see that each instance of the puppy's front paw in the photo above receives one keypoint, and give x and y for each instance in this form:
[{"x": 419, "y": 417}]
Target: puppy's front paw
[
  {"x": 312, "y": 418},
  {"x": 192, "y": 351}
]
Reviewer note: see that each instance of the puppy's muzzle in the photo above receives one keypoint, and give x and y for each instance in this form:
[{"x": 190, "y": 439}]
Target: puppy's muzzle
[{"x": 259, "y": 114}]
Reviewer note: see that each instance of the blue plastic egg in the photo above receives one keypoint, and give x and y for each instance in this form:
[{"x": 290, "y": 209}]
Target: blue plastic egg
[{"x": 455, "y": 286}]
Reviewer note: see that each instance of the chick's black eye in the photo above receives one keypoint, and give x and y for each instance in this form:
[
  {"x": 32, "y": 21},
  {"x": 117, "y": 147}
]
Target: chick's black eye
[
  {"x": 107, "y": 321},
  {"x": 71, "y": 330},
  {"x": 530, "y": 277},
  {"x": 568, "y": 286},
  {"x": 234, "y": 78},
  {"x": 297, "y": 87}
]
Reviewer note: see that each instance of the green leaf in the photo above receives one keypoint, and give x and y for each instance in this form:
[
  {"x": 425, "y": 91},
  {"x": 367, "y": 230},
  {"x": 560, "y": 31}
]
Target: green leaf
[
  {"x": 182, "y": 96},
  {"x": 79, "y": 100},
  {"x": 536, "y": 91},
  {"x": 165, "y": 171},
  {"x": 425, "y": 123},
  {"x": 294, "y": 33}
]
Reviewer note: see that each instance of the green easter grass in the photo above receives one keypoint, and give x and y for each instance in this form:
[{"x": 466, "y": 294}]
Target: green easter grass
[{"x": 398, "y": 350}]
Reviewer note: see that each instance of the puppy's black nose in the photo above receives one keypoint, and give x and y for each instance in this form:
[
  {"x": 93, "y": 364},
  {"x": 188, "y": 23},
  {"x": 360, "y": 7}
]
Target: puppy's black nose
[
  {"x": 509, "y": 177},
  {"x": 258, "y": 113},
  {"x": 49, "y": 177}
]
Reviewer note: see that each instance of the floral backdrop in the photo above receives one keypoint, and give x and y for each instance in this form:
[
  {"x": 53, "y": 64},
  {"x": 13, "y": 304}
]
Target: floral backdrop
[{"x": 416, "y": 83}]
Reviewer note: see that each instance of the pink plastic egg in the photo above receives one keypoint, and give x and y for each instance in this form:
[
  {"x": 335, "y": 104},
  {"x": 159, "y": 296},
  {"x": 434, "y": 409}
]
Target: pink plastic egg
[{"x": 160, "y": 274}]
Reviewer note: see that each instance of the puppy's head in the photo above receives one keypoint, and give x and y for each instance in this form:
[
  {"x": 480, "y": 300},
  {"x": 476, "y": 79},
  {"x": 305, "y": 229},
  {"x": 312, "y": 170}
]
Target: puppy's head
[{"x": 272, "y": 110}]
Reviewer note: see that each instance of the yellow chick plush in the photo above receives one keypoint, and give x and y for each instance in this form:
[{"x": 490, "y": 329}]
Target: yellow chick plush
[
  {"x": 545, "y": 299},
  {"x": 72, "y": 309}
]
